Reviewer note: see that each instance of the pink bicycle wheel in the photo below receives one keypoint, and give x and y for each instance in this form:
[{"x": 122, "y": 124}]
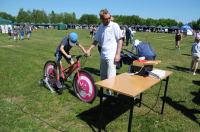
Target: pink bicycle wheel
[
  {"x": 84, "y": 87},
  {"x": 50, "y": 73}
]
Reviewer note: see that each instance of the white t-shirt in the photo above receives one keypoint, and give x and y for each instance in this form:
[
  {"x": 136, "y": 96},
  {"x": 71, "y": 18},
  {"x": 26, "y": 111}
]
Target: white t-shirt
[
  {"x": 196, "y": 49},
  {"x": 123, "y": 32},
  {"x": 108, "y": 37}
]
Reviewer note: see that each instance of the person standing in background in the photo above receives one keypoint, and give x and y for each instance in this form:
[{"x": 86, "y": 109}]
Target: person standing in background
[
  {"x": 9, "y": 32},
  {"x": 195, "y": 54},
  {"x": 128, "y": 35},
  {"x": 178, "y": 38}
]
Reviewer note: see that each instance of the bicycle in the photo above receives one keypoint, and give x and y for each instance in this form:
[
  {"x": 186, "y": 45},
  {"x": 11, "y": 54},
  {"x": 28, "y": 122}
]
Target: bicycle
[{"x": 83, "y": 83}]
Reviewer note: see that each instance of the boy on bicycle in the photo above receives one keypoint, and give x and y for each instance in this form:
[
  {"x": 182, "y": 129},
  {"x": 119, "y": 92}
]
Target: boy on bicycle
[{"x": 63, "y": 49}]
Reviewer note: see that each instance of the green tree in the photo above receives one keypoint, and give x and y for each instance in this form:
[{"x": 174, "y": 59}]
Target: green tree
[
  {"x": 39, "y": 16},
  {"x": 74, "y": 17},
  {"x": 195, "y": 24},
  {"x": 23, "y": 16},
  {"x": 62, "y": 17},
  {"x": 7, "y": 16},
  {"x": 69, "y": 18},
  {"x": 88, "y": 19},
  {"x": 52, "y": 17},
  {"x": 180, "y": 24},
  {"x": 198, "y": 24},
  {"x": 151, "y": 22}
]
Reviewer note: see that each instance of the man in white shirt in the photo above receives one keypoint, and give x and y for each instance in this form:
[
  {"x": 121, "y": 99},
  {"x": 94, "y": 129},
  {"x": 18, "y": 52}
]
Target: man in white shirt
[{"x": 109, "y": 39}]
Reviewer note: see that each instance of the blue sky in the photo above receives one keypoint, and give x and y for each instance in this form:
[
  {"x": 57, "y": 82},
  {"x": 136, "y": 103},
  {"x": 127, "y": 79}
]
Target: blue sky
[{"x": 180, "y": 10}]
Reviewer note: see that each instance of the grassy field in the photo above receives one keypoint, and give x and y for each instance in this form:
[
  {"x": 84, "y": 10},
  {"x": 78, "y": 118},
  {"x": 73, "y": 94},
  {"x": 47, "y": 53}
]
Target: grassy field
[{"x": 27, "y": 106}]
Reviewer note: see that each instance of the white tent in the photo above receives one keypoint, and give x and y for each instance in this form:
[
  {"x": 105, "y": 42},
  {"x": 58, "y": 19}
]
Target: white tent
[
  {"x": 187, "y": 29},
  {"x": 5, "y": 24}
]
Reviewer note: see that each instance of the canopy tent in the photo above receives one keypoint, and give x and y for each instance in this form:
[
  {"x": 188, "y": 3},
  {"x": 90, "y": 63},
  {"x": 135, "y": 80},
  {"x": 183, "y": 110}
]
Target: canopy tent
[
  {"x": 159, "y": 27},
  {"x": 174, "y": 28},
  {"x": 4, "y": 25},
  {"x": 62, "y": 26},
  {"x": 187, "y": 29},
  {"x": 4, "y": 21}
]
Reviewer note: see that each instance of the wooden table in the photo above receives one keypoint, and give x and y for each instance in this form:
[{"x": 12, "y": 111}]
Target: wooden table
[{"x": 131, "y": 85}]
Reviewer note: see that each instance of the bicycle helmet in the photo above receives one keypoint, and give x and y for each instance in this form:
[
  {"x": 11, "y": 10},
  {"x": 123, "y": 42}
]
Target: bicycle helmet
[{"x": 73, "y": 38}]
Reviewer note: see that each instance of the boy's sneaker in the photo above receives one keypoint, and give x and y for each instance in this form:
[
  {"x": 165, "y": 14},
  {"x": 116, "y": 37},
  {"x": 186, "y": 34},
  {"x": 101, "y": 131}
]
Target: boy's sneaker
[
  {"x": 194, "y": 73},
  {"x": 59, "y": 85}
]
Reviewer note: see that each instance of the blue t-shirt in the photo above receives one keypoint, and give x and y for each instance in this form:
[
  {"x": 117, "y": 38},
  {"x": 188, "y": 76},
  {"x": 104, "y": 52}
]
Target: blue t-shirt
[
  {"x": 9, "y": 30},
  {"x": 67, "y": 46}
]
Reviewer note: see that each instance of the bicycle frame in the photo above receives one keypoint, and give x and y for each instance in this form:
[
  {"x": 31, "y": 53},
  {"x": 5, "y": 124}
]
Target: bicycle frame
[{"x": 66, "y": 72}]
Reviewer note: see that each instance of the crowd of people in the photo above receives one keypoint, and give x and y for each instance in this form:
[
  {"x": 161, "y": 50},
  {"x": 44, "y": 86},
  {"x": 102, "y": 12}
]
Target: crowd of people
[
  {"x": 19, "y": 32},
  {"x": 128, "y": 34}
]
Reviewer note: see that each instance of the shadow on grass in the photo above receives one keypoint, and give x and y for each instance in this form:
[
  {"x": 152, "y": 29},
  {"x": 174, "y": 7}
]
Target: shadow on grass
[
  {"x": 110, "y": 112},
  {"x": 183, "y": 69},
  {"x": 196, "y": 94},
  {"x": 196, "y": 98},
  {"x": 186, "y": 54},
  {"x": 66, "y": 87},
  {"x": 196, "y": 82},
  {"x": 190, "y": 113},
  {"x": 178, "y": 68},
  {"x": 92, "y": 70}
]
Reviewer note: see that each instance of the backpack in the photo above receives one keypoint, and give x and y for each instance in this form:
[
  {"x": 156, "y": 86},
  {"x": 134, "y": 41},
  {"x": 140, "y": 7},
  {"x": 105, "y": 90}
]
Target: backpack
[
  {"x": 126, "y": 58},
  {"x": 144, "y": 49}
]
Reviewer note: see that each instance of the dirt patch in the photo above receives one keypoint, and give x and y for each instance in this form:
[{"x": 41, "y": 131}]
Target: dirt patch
[
  {"x": 14, "y": 99},
  {"x": 8, "y": 46}
]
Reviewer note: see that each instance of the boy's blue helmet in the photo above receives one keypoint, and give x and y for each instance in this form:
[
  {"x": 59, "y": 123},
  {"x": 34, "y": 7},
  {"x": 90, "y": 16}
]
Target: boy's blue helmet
[{"x": 73, "y": 37}]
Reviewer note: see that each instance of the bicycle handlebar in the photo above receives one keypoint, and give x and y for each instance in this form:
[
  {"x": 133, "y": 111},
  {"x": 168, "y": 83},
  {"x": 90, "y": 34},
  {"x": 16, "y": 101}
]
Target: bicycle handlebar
[{"x": 78, "y": 56}]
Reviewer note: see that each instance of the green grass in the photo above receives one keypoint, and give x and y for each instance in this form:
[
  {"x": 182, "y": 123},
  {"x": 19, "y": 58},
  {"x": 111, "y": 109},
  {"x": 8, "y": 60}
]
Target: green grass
[{"x": 26, "y": 106}]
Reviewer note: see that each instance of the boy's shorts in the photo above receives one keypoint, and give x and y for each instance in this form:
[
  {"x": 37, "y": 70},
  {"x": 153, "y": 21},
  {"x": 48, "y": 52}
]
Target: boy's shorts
[{"x": 59, "y": 57}]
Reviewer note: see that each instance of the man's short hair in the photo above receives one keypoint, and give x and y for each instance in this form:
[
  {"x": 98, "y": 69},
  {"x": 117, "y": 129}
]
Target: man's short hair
[{"x": 103, "y": 12}]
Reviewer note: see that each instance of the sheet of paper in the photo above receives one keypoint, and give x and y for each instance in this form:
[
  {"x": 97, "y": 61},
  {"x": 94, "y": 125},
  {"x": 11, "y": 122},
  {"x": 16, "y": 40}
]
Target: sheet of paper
[{"x": 157, "y": 73}]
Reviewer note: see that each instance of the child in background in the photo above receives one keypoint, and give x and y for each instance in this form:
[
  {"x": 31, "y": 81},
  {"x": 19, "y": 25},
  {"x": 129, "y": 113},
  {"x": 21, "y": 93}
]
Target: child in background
[
  {"x": 178, "y": 38},
  {"x": 15, "y": 34},
  {"x": 195, "y": 54}
]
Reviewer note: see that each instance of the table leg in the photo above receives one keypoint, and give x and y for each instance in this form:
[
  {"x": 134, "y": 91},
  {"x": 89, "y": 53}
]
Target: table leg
[
  {"x": 165, "y": 93},
  {"x": 101, "y": 108},
  {"x": 131, "y": 114},
  {"x": 140, "y": 103}
]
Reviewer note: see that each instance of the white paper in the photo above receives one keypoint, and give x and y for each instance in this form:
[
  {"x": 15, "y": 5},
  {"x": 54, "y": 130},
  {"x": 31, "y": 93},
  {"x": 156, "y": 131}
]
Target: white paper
[{"x": 157, "y": 73}]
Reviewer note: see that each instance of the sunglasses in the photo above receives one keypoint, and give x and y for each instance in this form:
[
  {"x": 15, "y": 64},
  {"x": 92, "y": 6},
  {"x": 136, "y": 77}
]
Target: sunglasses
[{"x": 104, "y": 19}]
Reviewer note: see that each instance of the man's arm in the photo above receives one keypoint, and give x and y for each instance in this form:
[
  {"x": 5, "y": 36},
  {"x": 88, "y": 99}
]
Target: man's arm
[
  {"x": 118, "y": 36},
  {"x": 119, "y": 47},
  {"x": 91, "y": 47},
  {"x": 82, "y": 48}
]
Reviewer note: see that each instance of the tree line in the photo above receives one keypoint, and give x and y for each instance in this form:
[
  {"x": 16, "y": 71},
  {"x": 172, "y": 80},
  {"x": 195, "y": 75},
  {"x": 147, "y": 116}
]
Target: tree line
[{"x": 40, "y": 16}]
